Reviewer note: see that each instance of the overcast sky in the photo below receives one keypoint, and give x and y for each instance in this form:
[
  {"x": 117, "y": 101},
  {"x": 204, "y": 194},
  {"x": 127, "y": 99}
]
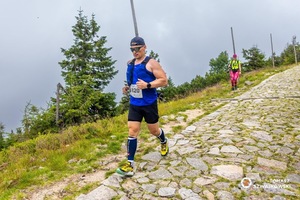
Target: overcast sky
[{"x": 185, "y": 33}]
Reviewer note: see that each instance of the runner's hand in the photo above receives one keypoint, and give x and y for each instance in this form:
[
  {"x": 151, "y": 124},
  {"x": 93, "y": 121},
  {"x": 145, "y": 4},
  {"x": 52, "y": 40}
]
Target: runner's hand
[
  {"x": 125, "y": 89},
  {"x": 141, "y": 84}
]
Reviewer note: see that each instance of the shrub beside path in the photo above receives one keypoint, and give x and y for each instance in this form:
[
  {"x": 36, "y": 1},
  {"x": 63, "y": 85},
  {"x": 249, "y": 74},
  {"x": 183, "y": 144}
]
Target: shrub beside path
[{"x": 247, "y": 149}]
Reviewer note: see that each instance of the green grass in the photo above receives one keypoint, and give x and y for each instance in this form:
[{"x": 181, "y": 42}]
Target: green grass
[{"x": 47, "y": 159}]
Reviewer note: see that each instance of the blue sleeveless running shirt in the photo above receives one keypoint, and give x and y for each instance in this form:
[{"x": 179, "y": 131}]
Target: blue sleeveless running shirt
[{"x": 143, "y": 97}]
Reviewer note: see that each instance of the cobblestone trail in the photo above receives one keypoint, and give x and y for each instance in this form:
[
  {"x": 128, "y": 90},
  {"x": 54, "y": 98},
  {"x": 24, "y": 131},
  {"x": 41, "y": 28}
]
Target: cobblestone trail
[{"x": 247, "y": 149}]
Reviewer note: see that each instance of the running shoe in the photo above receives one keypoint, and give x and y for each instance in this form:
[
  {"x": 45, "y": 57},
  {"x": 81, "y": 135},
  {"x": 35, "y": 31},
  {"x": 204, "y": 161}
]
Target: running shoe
[
  {"x": 126, "y": 170},
  {"x": 164, "y": 148}
]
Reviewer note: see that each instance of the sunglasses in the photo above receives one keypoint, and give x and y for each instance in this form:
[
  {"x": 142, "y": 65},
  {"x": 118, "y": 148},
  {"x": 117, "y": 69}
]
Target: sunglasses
[{"x": 136, "y": 49}]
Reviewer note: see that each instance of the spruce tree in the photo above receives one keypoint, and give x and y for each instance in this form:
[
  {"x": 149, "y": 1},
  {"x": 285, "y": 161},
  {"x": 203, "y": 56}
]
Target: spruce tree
[
  {"x": 2, "y": 144},
  {"x": 87, "y": 69},
  {"x": 255, "y": 59},
  {"x": 219, "y": 64}
]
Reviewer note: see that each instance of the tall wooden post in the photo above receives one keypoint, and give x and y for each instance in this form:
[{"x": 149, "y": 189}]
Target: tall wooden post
[
  {"x": 294, "y": 44},
  {"x": 232, "y": 41},
  {"x": 272, "y": 50},
  {"x": 134, "y": 19},
  {"x": 57, "y": 103}
]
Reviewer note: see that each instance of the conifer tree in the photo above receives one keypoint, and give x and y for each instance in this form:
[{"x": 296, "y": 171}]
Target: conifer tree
[
  {"x": 288, "y": 56},
  {"x": 87, "y": 69},
  {"x": 1, "y": 136},
  {"x": 254, "y": 57},
  {"x": 219, "y": 64}
]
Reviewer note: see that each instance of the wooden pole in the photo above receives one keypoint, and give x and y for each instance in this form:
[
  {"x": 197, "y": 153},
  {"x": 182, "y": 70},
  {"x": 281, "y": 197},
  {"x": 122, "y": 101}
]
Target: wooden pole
[
  {"x": 272, "y": 50},
  {"x": 232, "y": 41},
  {"x": 294, "y": 44},
  {"x": 58, "y": 88},
  {"x": 134, "y": 19},
  {"x": 57, "y": 103}
]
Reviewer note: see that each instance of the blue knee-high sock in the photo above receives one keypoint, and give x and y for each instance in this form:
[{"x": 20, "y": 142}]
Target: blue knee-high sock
[
  {"x": 131, "y": 148},
  {"x": 161, "y": 136}
]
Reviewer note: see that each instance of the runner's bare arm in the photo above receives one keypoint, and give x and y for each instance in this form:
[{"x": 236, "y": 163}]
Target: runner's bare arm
[{"x": 161, "y": 77}]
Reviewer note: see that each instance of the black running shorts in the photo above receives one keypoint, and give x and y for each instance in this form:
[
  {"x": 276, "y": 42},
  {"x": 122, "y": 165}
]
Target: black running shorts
[{"x": 150, "y": 113}]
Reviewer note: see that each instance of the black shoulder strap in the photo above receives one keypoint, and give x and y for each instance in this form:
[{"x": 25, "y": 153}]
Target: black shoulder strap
[
  {"x": 145, "y": 61},
  {"x": 132, "y": 62}
]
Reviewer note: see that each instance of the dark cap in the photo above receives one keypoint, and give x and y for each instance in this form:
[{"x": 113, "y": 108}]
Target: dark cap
[{"x": 137, "y": 41}]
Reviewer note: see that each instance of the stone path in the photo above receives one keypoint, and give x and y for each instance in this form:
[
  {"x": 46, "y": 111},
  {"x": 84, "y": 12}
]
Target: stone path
[{"x": 247, "y": 149}]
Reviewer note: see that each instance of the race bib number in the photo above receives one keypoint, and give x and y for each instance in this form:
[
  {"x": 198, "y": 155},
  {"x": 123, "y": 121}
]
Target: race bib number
[{"x": 135, "y": 91}]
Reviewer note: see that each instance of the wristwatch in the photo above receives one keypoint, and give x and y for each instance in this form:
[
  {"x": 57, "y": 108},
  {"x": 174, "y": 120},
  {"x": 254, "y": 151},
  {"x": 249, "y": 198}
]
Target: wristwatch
[{"x": 149, "y": 85}]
